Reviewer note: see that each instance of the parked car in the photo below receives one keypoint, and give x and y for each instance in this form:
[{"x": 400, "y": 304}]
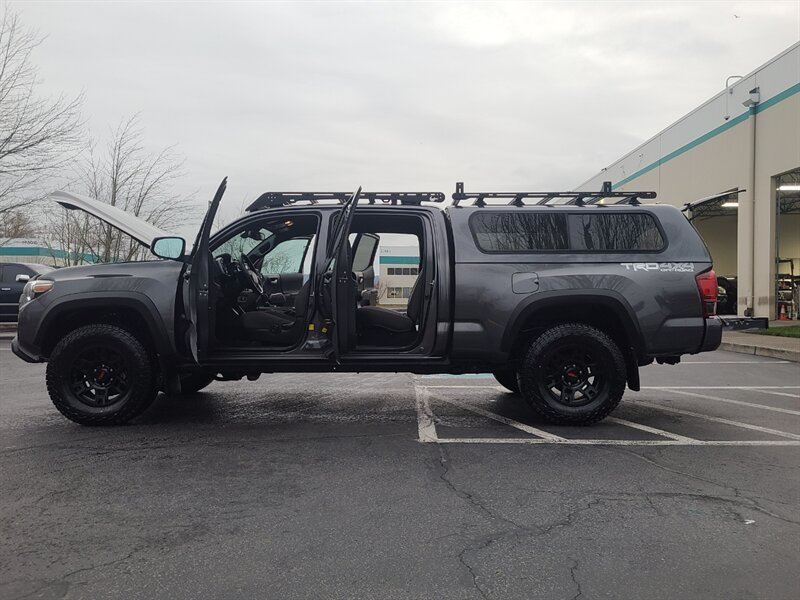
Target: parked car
[
  {"x": 13, "y": 277},
  {"x": 561, "y": 296}
]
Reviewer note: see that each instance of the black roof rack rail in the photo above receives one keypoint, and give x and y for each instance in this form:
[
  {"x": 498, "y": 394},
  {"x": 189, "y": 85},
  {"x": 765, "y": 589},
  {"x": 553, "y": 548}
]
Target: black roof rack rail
[
  {"x": 546, "y": 198},
  {"x": 278, "y": 199}
]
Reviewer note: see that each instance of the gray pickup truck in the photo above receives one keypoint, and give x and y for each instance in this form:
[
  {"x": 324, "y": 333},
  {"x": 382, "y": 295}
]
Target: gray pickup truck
[{"x": 563, "y": 296}]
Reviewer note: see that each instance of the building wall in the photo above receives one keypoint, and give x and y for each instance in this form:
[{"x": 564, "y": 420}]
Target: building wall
[
  {"x": 719, "y": 234},
  {"x": 30, "y": 250},
  {"x": 705, "y": 153},
  {"x": 394, "y": 287}
]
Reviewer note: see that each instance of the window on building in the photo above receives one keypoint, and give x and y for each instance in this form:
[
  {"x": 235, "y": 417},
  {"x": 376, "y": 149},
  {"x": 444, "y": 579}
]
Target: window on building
[{"x": 399, "y": 292}]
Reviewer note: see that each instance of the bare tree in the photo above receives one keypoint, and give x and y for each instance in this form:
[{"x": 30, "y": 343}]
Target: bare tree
[
  {"x": 69, "y": 231},
  {"x": 125, "y": 175},
  {"x": 16, "y": 224},
  {"x": 38, "y": 135}
]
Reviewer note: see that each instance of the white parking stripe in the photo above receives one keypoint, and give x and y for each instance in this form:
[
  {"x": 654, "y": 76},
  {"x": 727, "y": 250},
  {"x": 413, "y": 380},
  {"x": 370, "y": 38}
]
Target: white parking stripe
[
  {"x": 425, "y": 421},
  {"x": 774, "y": 393},
  {"x": 566, "y": 442},
  {"x": 722, "y": 387},
  {"x": 469, "y": 388},
  {"x": 688, "y": 413},
  {"x": 648, "y": 429},
  {"x": 739, "y": 402},
  {"x": 735, "y": 362},
  {"x": 501, "y": 419}
]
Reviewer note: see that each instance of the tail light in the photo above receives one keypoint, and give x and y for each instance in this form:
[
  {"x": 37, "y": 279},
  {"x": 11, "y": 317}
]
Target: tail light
[{"x": 707, "y": 286}]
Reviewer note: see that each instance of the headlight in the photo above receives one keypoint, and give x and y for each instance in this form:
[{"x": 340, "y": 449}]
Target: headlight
[{"x": 33, "y": 289}]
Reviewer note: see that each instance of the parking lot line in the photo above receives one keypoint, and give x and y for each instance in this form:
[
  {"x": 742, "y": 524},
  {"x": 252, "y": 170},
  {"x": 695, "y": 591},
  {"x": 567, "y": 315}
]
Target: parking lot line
[
  {"x": 739, "y": 402},
  {"x": 506, "y": 421},
  {"x": 774, "y": 393},
  {"x": 735, "y": 362},
  {"x": 572, "y": 442},
  {"x": 648, "y": 429},
  {"x": 722, "y": 387},
  {"x": 425, "y": 423},
  {"x": 689, "y": 413}
]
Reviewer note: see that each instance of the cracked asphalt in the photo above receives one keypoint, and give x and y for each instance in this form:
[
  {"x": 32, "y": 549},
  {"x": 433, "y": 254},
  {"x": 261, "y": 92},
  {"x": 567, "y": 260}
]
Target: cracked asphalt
[{"x": 315, "y": 486}]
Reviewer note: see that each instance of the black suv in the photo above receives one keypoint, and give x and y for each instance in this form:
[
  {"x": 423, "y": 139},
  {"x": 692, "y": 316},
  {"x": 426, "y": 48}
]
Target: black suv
[{"x": 561, "y": 295}]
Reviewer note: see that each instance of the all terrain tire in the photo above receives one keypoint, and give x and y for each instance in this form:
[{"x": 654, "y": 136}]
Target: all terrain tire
[
  {"x": 573, "y": 374},
  {"x": 101, "y": 375}
]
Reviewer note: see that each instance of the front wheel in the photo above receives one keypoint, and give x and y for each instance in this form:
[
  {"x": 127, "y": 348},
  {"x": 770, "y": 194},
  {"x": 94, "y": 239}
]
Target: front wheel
[
  {"x": 573, "y": 374},
  {"x": 101, "y": 375}
]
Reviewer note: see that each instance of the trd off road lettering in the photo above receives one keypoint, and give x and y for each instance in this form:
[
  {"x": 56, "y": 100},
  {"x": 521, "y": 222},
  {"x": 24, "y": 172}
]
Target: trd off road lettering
[
  {"x": 292, "y": 286},
  {"x": 662, "y": 267}
]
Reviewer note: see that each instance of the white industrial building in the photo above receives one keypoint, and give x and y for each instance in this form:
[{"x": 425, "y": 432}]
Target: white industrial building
[
  {"x": 397, "y": 274},
  {"x": 736, "y": 160}
]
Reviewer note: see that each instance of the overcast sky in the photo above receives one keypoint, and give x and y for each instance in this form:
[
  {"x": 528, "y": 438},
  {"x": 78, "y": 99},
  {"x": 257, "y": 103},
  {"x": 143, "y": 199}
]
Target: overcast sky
[{"x": 399, "y": 96}]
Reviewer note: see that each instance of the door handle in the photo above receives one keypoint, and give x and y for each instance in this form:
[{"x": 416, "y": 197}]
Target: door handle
[{"x": 5, "y": 289}]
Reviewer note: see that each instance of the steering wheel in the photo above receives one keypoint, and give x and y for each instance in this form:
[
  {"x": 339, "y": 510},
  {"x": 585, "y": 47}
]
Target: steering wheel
[{"x": 254, "y": 276}]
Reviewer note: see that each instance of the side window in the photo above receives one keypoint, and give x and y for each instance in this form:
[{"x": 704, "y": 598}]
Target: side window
[
  {"x": 624, "y": 232},
  {"x": 287, "y": 256},
  {"x": 364, "y": 250},
  {"x": 519, "y": 231},
  {"x": 10, "y": 273}
]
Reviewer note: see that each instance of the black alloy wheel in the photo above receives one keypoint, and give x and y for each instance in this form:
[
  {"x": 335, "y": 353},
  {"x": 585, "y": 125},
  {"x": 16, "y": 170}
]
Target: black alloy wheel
[
  {"x": 573, "y": 374},
  {"x": 101, "y": 375}
]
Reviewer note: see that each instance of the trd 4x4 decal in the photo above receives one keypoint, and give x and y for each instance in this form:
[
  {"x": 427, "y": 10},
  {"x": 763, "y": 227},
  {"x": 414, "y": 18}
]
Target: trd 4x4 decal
[{"x": 669, "y": 267}]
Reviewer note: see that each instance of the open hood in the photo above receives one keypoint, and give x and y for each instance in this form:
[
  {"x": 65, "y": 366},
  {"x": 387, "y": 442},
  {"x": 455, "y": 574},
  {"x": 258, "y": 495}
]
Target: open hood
[{"x": 139, "y": 229}]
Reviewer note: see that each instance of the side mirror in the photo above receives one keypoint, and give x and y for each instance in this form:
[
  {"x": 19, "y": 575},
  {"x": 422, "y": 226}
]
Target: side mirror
[
  {"x": 22, "y": 278},
  {"x": 168, "y": 247}
]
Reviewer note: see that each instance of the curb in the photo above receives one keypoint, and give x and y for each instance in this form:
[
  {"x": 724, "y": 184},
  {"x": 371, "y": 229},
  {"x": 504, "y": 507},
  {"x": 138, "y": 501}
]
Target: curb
[{"x": 791, "y": 355}]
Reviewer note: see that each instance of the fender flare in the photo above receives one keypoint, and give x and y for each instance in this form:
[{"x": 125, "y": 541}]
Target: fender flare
[
  {"x": 139, "y": 303},
  {"x": 608, "y": 299}
]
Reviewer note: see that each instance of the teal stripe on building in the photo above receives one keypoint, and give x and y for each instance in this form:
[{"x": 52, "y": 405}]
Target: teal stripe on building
[
  {"x": 30, "y": 251},
  {"x": 758, "y": 108},
  {"x": 399, "y": 260}
]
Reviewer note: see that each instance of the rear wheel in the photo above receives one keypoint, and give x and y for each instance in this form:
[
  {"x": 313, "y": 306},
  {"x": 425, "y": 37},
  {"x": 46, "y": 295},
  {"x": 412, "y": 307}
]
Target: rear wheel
[
  {"x": 101, "y": 375},
  {"x": 508, "y": 379},
  {"x": 573, "y": 374}
]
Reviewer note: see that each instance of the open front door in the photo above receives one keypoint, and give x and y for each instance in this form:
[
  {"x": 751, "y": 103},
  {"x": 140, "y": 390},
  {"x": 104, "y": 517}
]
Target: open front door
[
  {"x": 197, "y": 299},
  {"x": 338, "y": 285}
]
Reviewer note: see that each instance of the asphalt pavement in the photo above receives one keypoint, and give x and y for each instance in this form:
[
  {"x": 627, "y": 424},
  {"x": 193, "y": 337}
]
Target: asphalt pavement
[{"x": 399, "y": 486}]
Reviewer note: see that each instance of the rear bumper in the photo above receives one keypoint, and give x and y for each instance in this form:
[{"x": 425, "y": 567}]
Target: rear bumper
[{"x": 713, "y": 335}]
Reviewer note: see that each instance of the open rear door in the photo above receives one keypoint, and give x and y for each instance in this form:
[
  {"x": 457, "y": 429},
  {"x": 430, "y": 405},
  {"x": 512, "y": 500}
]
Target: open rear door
[
  {"x": 338, "y": 285},
  {"x": 197, "y": 300}
]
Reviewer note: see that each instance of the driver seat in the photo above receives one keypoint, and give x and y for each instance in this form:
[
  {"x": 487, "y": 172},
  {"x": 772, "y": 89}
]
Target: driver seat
[{"x": 274, "y": 326}]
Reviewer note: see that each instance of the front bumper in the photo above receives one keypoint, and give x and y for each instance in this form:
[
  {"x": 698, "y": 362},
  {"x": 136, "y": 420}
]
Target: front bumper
[
  {"x": 26, "y": 356},
  {"x": 713, "y": 335}
]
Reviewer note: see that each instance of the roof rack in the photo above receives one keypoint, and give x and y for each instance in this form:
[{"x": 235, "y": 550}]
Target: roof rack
[
  {"x": 552, "y": 198},
  {"x": 278, "y": 199}
]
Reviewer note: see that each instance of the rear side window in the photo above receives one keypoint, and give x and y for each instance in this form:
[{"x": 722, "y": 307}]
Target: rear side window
[
  {"x": 626, "y": 232},
  {"x": 515, "y": 232},
  {"x": 520, "y": 232}
]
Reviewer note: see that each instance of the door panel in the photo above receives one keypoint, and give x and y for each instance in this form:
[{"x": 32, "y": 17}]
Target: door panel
[
  {"x": 338, "y": 286},
  {"x": 11, "y": 290},
  {"x": 198, "y": 301}
]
